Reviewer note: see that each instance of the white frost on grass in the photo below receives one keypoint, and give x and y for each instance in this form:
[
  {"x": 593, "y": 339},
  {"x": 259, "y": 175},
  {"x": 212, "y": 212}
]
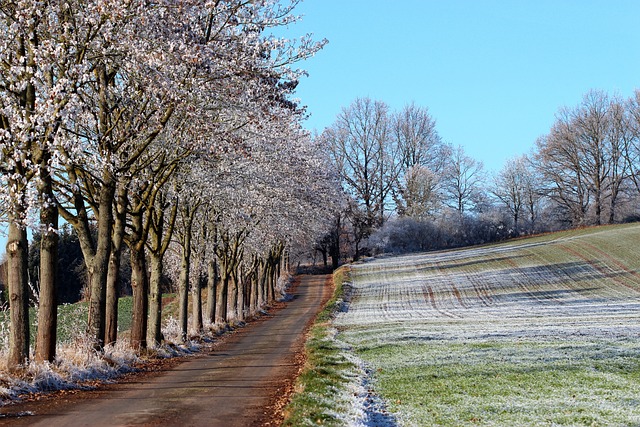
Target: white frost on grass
[
  {"x": 368, "y": 403},
  {"x": 567, "y": 309},
  {"x": 79, "y": 366},
  {"x": 357, "y": 404}
]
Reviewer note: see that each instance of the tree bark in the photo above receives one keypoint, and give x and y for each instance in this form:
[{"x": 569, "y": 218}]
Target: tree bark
[
  {"x": 262, "y": 283},
  {"x": 612, "y": 209},
  {"x": 232, "y": 298},
  {"x": 139, "y": 284},
  {"x": 155, "y": 300},
  {"x": 47, "y": 309},
  {"x": 334, "y": 247},
  {"x": 158, "y": 245},
  {"x": 97, "y": 267},
  {"x": 270, "y": 283},
  {"x": 211, "y": 292},
  {"x": 241, "y": 296},
  {"x": 17, "y": 252},
  {"x": 183, "y": 285},
  {"x": 254, "y": 292},
  {"x": 139, "y": 280},
  {"x": 196, "y": 307},
  {"x": 111, "y": 304},
  {"x": 113, "y": 271},
  {"x": 221, "y": 298}
]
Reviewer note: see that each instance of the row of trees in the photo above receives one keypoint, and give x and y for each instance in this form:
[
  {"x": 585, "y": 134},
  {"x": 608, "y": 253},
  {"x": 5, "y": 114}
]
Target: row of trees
[
  {"x": 401, "y": 176},
  {"x": 590, "y": 159},
  {"x": 585, "y": 171},
  {"x": 166, "y": 127},
  {"x": 395, "y": 163}
]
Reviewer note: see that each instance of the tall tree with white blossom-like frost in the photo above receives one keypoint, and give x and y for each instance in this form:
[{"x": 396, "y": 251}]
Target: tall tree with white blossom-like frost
[{"x": 99, "y": 103}]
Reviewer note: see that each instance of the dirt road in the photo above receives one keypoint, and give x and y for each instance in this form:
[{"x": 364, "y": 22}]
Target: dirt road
[{"x": 234, "y": 385}]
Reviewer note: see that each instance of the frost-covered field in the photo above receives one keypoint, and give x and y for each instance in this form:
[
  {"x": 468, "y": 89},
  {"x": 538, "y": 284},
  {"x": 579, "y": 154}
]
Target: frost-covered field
[{"x": 538, "y": 332}]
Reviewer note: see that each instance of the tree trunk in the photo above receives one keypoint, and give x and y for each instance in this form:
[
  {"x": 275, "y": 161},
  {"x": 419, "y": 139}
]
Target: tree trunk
[
  {"x": 17, "y": 252},
  {"x": 221, "y": 298},
  {"x": 155, "y": 283},
  {"x": 48, "y": 307},
  {"x": 196, "y": 306},
  {"x": 254, "y": 293},
  {"x": 155, "y": 301},
  {"x": 113, "y": 272},
  {"x": 262, "y": 284},
  {"x": 111, "y": 305},
  {"x": 232, "y": 298},
  {"x": 598, "y": 205},
  {"x": 274, "y": 282},
  {"x": 183, "y": 300},
  {"x": 139, "y": 284},
  {"x": 97, "y": 267},
  {"x": 158, "y": 245},
  {"x": 241, "y": 296},
  {"x": 334, "y": 247},
  {"x": 612, "y": 207},
  {"x": 183, "y": 286},
  {"x": 211, "y": 292},
  {"x": 324, "y": 258},
  {"x": 188, "y": 214},
  {"x": 271, "y": 294}
]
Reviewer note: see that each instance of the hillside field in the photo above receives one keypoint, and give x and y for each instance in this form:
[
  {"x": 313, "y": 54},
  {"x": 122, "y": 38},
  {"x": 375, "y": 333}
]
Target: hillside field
[{"x": 539, "y": 331}]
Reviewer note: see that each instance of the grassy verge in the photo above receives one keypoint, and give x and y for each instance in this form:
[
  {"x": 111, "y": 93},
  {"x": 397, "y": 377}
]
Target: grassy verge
[{"x": 322, "y": 394}]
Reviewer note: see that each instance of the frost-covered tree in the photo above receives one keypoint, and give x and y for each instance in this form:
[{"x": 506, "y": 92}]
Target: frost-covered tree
[
  {"x": 111, "y": 96},
  {"x": 422, "y": 157},
  {"x": 464, "y": 180},
  {"x": 581, "y": 160},
  {"x": 267, "y": 188},
  {"x": 44, "y": 58},
  {"x": 419, "y": 192},
  {"x": 183, "y": 64},
  {"x": 360, "y": 145},
  {"x": 517, "y": 189}
]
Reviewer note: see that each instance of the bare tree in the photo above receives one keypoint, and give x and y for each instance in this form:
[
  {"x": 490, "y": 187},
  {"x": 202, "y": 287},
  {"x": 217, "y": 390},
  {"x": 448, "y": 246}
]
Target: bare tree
[
  {"x": 464, "y": 180},
  {"x": 560, "y": 160},
  {"x": 620, "y": 138},
  {"x": 414, "y": 132},
  {"x": 359, "y": 145},
  {"x": 632, "y": 144},
  {"x": 508, "y": 187},
  {"x": 421, "y": 160},
  {"x": 533, "y": 191},
  {"x": 517, "y": 188},
  {"x": 583, "y": 157},
  {"x": 419, "y": 193},
  {"x": 591, "y": 124}
]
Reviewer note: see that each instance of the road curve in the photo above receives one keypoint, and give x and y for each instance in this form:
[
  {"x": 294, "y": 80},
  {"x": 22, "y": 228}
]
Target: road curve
[{"x": 228, "y": 387}]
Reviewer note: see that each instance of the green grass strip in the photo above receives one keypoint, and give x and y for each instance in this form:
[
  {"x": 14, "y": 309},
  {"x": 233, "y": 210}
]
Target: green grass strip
[
  {"x": 322, "y": 386},
  {"x": 72, "y": 320}
]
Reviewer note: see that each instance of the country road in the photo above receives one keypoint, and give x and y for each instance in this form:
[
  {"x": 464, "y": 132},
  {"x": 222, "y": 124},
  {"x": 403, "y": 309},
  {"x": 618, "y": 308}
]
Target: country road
[{"x": 233, "y": 385}]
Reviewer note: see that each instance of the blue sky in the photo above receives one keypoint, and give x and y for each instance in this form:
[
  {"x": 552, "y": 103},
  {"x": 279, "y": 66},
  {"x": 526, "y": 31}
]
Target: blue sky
[{"x": 492, "y": 73}]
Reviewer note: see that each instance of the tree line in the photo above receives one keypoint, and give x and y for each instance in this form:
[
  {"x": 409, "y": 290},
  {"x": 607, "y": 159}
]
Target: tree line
[
  {"x": 167, "y": 128},
  {"x": 408, "y": 190}
]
